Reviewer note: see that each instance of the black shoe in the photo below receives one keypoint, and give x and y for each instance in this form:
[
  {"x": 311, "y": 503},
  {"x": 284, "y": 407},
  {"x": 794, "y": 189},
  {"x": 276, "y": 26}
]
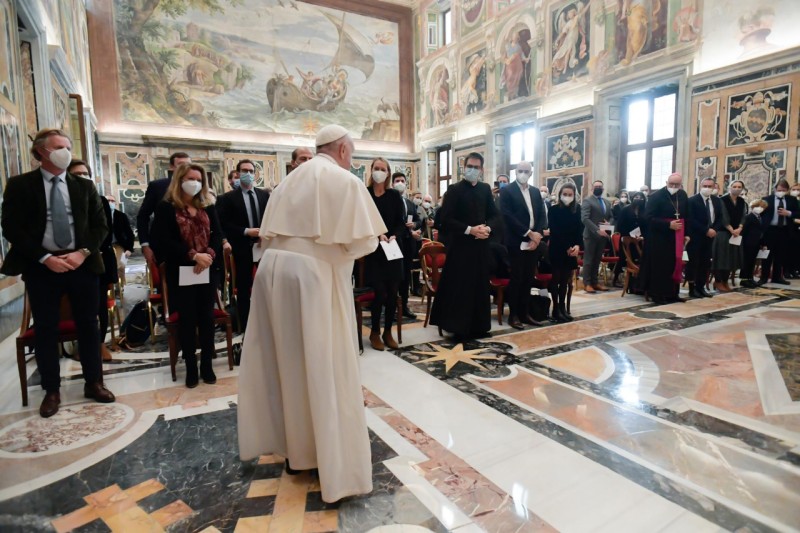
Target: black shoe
[
  {"x": 781, "y": 281},
  {"x": 528, "y": 319},
  {"x": 557, "y": 316},
  {"x": 748, "y": 284},
  {"x": 408, "y": 314},
  {"x": 660, "y": 301},
  {"x": 291, "y": 471},
  {"x": 207, "y": 373},
  {"x": 694, "y": 292},
  {"x": 515, "y": 323},
  {"x": 678, "y": 300},
  {"x": 192, "y": 378},
  {"x": 762, "y": 281},
  {"x": 704, "y": 292}
]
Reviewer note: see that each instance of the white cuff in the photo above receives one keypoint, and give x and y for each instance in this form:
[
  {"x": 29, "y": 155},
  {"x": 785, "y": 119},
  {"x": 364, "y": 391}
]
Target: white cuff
[{"x": 469, "y": 228}]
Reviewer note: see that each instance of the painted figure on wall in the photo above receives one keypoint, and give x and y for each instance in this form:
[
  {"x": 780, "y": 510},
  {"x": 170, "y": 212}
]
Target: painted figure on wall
[
  {"x": 285, "y": 67},
  {"x": 755, "y": 26},
  {"x": 516, "y": 75},
  {"x": 641, "y": 28},
  {"x": 440, "y": 96},
  {"x": 8, "y": 82},
  {"x": 570, "y": 42},
  {"x": 473, "y": 90}
]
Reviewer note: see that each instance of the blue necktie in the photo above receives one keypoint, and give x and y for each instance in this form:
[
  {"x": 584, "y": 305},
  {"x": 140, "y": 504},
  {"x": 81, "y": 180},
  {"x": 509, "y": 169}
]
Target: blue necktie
[
  {"x": 602, "y": 206},
  {"x": 58, "y": 210}
]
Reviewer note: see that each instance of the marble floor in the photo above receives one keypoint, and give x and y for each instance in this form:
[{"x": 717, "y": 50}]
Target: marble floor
[{"x": 634, "y": 417}]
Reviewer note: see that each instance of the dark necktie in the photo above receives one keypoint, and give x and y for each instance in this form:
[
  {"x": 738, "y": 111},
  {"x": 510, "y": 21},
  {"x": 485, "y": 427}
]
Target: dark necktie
[
  {"x": 781, "y": 219},
  {"x": 58, "y": 210},
  {"x": 602, "y": 206},
  {"x": 253, "y": 210},
  {"x": 708, "y": 208}
]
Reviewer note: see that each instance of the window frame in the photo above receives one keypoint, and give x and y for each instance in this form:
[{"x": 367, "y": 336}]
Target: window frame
[
  {"x": 449, "y": 170},
  {"x": 649, "y": 144},
  {"x": 522, "y": 128},
  {"x": 446, "y": 22}
]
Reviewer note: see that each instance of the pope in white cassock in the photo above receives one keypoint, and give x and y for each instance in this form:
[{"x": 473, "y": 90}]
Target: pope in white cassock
[{"x": 299, "y": 386}]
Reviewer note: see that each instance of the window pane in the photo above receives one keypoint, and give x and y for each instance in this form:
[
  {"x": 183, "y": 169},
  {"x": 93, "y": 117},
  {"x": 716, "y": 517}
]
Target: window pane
[
  {"x": 443, "y": 160},
  {"x": 515, "y": 151},
  {"x": 443, "y": 187},
  {"x": 530, "y": 141},
  {"x": 635, "y": 173},
  {"x": 638, "y": 113},
  {"x": 664, "y": 117},
  {"x": 447, "y": 27},
  {"x": 662, "y": 167}
]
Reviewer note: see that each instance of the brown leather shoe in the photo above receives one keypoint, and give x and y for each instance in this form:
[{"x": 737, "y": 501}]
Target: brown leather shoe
[
  {"x": 389, "y": 341},
  {"x": 528, "y": 319},
  {"x": 600, "y": 288},
  {"x": 721, "y": 287},
  {"x": 589, "y": 289},
  {"x": 106, "y": 355},
  {"x": 98, "y": 392},
  {"x": 375, "y": 341},
  {"x": 50, "y": 404}
]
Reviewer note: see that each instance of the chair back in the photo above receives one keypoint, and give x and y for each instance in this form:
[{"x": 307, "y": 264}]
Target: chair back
[
  {"x": 162, "y": 277},
  {"x": 154, "y": 276},
  {"x": 432, "y": 257},
  {"x": 64, "y": 312},
  {"x": 615, "y": 240},
  {"x": 229, "y": 279},
  {"x": 627, "y": 242}
]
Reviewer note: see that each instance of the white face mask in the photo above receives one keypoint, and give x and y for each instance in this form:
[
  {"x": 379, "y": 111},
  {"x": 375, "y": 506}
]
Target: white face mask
[
  {"x": 673, "y": 190},
  {"x": 472, "y": 174},
  {"x": 426, "y": 205},
  {"x": 715, "y": 192},
  {"x": 780, "y": 194},
  {"x": 400, "y": 187},
  {"x": 191, "y": 187},
  {"x": 61, "y": 158},
  {"x": 417, "y": 201},
  {"x": 544, "y": 194},
  {"x": 623, "y": 200},
  {"x": 735, "y": 192},
  {"x": 795, "y": 193},
  {"x": 706, "y": 191},
  {"x": 758, "y": 210},
  {"x": 522, "y": 177},
  {"x": 379, "y": 176},
  {"x": 567, "y": 199},
  {"x": 112, "y": 205}
]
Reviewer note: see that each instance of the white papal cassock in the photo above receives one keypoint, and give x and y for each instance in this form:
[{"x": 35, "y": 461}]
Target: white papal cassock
[{"x": 299, "y": 385}]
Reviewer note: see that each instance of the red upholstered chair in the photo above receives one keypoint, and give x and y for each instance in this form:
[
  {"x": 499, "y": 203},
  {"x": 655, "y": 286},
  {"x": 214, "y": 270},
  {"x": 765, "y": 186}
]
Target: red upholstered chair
[
  {"x": 432, "y": 257},
  {"x": 363, "y": 300},
  {"x": 221, "y": 318},
  {"x": 607, "y": 260},
  {"x": 154, "y": 297},
  {"x": 498, "y": 286},
  {"x": 27, "y": 338},
  {"x": 631, "y": 268}
]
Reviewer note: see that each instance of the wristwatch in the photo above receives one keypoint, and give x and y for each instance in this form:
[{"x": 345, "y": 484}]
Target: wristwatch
[{"x": 85, "y": 251}]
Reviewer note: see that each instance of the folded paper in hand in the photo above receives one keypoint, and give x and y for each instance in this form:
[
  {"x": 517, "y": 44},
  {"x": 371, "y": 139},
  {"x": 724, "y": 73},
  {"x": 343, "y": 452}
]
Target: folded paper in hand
[
  {"x": 392, "y": 250},
  {"x": 762, "y": 254},
  {"x": 607, "y": 227},
  {"x": 258, "y": 251},
  {"x": 186, "y": 276},
  {"x": 636, "y": 233},
  {"x": 735, "y": 241}
]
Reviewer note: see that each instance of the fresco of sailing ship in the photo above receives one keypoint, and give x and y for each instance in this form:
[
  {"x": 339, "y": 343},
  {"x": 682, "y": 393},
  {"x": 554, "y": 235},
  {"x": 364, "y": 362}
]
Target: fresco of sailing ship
[{"x": 325, "y": 90}]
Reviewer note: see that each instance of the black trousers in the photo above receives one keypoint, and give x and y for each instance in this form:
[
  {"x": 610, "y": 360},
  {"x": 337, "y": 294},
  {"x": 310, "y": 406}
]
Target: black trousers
[
  {"x": 102, "y": 310},
  {"x": 405, "y": 285},
  {"x": 195, "y": 303},
  {"x": 45, "y": 289},
  {"x": 523, "y": 275},
  {"x": 777, "y": 240},
  {"x": 385, "y": 297},
  {"x": 699, "y": 251},
  {"x": 244, "y": 284},
  {"x": 749, "y": 254}
]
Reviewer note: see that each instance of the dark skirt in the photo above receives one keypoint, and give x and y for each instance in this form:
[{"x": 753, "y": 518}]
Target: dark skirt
[{"x": 378, "y": 269}]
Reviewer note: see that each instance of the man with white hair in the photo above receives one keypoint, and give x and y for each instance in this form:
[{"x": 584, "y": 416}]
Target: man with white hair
[{"x": 299, "y": 385}]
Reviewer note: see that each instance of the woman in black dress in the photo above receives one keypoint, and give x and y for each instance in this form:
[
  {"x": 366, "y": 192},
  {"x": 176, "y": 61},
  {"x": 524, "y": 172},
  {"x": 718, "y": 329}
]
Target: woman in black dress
[
  {"x": 727, "y": 257},
  {"x": 384, "y": 276},
  {"x": 566, "y": 234}
]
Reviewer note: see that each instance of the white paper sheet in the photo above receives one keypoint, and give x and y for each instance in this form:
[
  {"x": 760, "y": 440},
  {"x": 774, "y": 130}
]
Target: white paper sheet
[
  {"x": 607, "y": 227},
  {"x": 735, "y": 241},
  {"x": 258, "y": 251},
  {"x": 762, "y": 254},
  {"x": 685, "y": 255},
  {"x": 636, "y": 233},
  {"x": 392, "y": 250},
  {"x": 186, "y": 276},
  {"x": 123, "y": 260},
  {"x": 410, "y": 219}
]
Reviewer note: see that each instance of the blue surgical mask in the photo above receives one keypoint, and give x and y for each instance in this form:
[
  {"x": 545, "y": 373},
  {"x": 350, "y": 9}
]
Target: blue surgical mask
[
  {"x": 472, "y": 174},
  {"x": 246, "y": 178},
  {"x": 502, "y": 184},
  {"x": 236, "y": 183}
]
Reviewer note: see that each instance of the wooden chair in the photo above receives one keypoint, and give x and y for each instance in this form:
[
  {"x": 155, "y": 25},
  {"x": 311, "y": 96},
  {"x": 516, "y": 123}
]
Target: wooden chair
[
  {"x": 221, "y": 318},
  {"x": 154, "y": 297},
  {"x": 229, "y": 287},
  {"x": 363, "y": 300},
  {"x": 432, "y": 257},
  {"x": 631, "y": 268},
  {"x": 607, "y": 260},
  {"x": 26, "y": 339},
  {"x": 113, "y": 311},
  {"x": 498, "y": 285}
]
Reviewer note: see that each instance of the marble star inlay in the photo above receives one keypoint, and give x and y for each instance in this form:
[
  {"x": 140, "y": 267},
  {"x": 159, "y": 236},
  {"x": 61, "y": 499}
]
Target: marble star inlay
[
  {"x": 454, "y": 355},
  {"x": 772, "y": 292}
]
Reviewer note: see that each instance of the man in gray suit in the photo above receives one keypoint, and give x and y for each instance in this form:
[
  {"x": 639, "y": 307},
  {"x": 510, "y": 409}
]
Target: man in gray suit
[{"x": 595, "y": 211}]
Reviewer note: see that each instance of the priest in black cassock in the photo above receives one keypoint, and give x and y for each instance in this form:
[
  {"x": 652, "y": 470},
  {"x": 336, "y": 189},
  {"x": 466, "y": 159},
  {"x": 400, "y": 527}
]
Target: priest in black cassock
[
  {"x": 462, "y": 304},
  {"x": 665, "y": 216}
]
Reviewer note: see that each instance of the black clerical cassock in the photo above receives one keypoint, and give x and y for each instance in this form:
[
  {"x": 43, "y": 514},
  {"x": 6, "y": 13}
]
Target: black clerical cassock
[
  {"x": 462, "y": 298},
  {"x": 663, "y": 248}
]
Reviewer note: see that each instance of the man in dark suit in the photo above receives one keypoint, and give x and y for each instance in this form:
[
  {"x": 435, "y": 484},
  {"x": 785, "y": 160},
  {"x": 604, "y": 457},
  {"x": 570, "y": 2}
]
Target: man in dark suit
[
  {"x": 524, "y": 219},
  {"x": 56, "y": 225},
  {"x": 595, "y": 210},
  {"x": 240, "y": 213},
  {"x": 155, "y": 192},
  {"x": 122, "y": 237},
  {"x": 409, "y": 244},
  {"x": 777, "y": 220},
  {"x": 705, "y": 220}
]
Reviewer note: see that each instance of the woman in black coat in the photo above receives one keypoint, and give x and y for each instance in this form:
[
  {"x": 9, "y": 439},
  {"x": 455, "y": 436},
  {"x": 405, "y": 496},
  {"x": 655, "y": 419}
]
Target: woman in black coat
[
  {"x": 566, "y": 234},
  {"x": 186, "y": 233},
  {"x": 384, "y": 276},
  {"x": 752, "y": 234}
]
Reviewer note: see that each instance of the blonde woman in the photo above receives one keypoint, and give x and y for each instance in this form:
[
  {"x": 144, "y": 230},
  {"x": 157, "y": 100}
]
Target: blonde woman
[{"x": 186, "y": 232}]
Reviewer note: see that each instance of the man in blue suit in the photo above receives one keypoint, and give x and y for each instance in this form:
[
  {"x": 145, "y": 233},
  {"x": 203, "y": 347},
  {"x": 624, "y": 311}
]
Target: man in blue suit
[
  {"x": 705, "y": 220},
  {"x": 777, "y": 220},
  {"x": 524, "y": 218}
]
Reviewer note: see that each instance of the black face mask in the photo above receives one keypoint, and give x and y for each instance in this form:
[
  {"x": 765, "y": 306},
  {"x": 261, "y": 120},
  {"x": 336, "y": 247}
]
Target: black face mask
[
  {"x": 598, "y": 191},
  {"x": 638, "y": 202}
]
